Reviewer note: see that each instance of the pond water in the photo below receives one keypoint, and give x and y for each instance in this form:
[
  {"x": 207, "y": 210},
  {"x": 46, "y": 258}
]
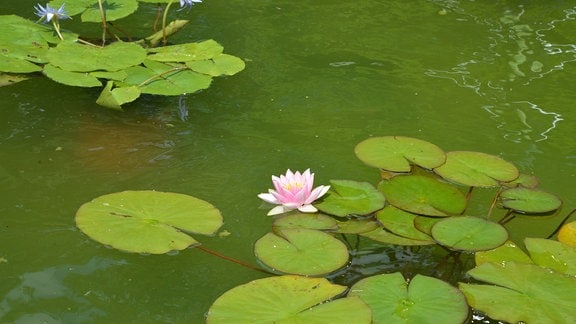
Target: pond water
[{"x": 321, "y": 76}]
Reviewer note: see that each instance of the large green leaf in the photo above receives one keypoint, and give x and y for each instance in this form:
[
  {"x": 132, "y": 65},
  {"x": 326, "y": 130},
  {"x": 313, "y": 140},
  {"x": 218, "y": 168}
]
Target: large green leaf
[
  {"x": 420, "y": 300},
  {"x": 552, "y": 254},
  {"x": 147, "y": 221},
  {"x": 401, "y": 223},
  {"x": 288, "y": 299},
  {"x": 16, "y": 65},
  {"x": 301, "y": 251},
  {"x": 396, "y": 153},
  {"x": 115, "y": 9},
  {"x": 508, "y": 251},
  {"x": 476, "y": 169},
  {"x": 75, "y": 79},
  {"x": 114, "y": 57},
  {"x": 423, "y": 195},
  {"x": 347, "y": 197},
  {"x": 522, "y": 293},
  {"x": 529, "y": 200},
  {"x": 186, "y": 52},
  {"x": 469, "y": 233}
]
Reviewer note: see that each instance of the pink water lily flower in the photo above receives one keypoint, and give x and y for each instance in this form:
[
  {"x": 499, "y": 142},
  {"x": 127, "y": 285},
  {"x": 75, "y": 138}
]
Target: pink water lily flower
[{"x": 293, "y": 191}]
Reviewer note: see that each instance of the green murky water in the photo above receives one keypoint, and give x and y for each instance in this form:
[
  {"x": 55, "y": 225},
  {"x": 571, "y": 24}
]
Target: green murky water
[{"x": 321, "y": 76}]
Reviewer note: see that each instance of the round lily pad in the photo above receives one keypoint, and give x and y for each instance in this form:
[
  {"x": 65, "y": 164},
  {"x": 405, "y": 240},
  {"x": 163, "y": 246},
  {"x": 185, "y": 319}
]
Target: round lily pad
[
  {"x": 288, "y": 299},
  {"x": 147, "y": 221},
  {"x": 401, "y": 223},
  {"x": 383, "y": 236},
  {"x": 520, "y": 292},
  {"x": 222, "y": 64},
  {"x": 476, "y": 169},
  {"x": 469, "y": 233},
  {"x": 529, "y": 200},
  {"x": 423, "y": 195},
  {"x": 301, "y": 251},
  {"x": 347, "y": 197},
  {"x": 306, "y": 220},
  {"x": 357, "y": 226},
  {"x": 421, "y": 300},
  {"x": 523, "y": 180},
  {"x": 397, "y": 153}
]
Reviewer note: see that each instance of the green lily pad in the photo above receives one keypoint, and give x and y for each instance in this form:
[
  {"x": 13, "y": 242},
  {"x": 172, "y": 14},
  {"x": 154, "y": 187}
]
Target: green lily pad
[
  {"x": 288, "y": 299},
  {"x": 357, "y": 226},
  {"x": 476, "y": 169},
  {"x": 306, "y": 220},
  {"x": 423, "y": 299},
  {"x": 301, "y": 251},
  {"x": 423, "y": 195},
  {"x": 397, "y": 153},
  {"x": 147, "y": 221},
  {"x": 522, "y": 293},
  {"x": 383, "y": 236},
  {"x": 115, "y": 9},
  {"x": 74, "y": 7},
  {"x": 401, "y": 223},
  {"x": 15, "y": 65},
  {"x": 113, "y": 57},
  {"x": 508, "y": 251},
  {"x": 523, "y": 180},
  {"x": 529, "y": 200},
  {"x": 162, "y": 79},
  {"x": 552, "y": 254},
  {"x": 222, "y": 64},
  {"x": 347, "y": 197},
  {"x": 469, "y": 233},
  {"x": 115, "y": 98},
  {"x": 186, "y": 52},
  {"x": 75, "y": 79},
  {"x": 424, "y": 223}
]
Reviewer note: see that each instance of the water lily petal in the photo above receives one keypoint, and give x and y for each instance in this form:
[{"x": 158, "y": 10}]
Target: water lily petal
[
  {"x": 268, "y": 197},
  {"x": 307, "y": 209},
  {"x": 280, "y": 209},
  {"x": 317, "y": 193}
]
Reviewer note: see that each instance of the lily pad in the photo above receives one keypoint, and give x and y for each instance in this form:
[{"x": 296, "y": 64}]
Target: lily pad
[
  {"x": 115, "y": 9},
  {"x": 552, "y": 254},
  {"x": 357, "y": 226},
  {"x": 401, "y": 223},
  {"x": 76, "y": 79},
  {"x": 301, "y": 251},
  {"x": 288, "y": 299},
  {"x": 425, "y": 223},
  {"x": 476, "y": 169},
  {"x": 523, "y": 180},
  {"x": 423, "y": 195},
  {"x": 222, "y": 64},
  {"x": 508, "y": 251},
  {"x": 397, "y": 153},
  {"x": 383, "y": 236},
  {"x": 469, "y": 233},
  {"x": 522, "y": 293},
  {"x": 115, "y": 98},
  {"x": 186, "y": 52},
  {"x": 147, "y": 221},
  {"x": 306, "y": 220},
  {"x": 347, "y": 197},
  {"x": 15, "y": 65},
  {"x": 113, "y": 57},
  {"x": 423, "y": 299},
  {"x": 529, "y": 200}
]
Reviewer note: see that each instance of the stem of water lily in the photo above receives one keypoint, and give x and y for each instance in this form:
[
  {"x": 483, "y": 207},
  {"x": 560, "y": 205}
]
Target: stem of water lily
[
  {"x": 164, "y": 21},
  {"x": 242, "y": 263},
  {"x": 494, "y": 203},
  {"x": 57, "y": 27},
  {"x": 104, "y": 26}
]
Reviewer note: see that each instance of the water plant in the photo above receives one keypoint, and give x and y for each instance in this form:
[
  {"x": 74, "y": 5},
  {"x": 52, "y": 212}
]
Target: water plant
[
  {"x": 124, "y": 68},
  {"x": 422, "y": 198}
]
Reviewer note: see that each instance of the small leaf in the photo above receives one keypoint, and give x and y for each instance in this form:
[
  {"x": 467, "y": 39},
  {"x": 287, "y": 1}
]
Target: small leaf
[
  {"x": 305, "y": 220},
  {"x": 508, "y": 251},
  {"x": 115, "y": 98},
  {"x": 115, "y": 9},
  {"x": 552, "y": 254},
  {"x": 529, "y": 200},
  {"x": 222, "y": 64},
  {"x": 383, "y": 236},
  {"x": 401, "y": 223},
  {"x": 468, "y": 233},
  {"x": 347, "y": 197},
  {"x": 396, "y": 153},
  {"x": 75, "y": 79},
  {"x": 186, "y": 52},
  {"x": 357, "y": 226}
]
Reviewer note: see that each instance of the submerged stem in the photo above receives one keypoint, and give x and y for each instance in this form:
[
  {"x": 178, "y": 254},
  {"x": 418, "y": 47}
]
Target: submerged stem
[
  {"x": 104, "y": 25},
  {"x": 164, "y": 21},
  {"x": 562, "y": 223},
  {"x": 242, "y": 263}
]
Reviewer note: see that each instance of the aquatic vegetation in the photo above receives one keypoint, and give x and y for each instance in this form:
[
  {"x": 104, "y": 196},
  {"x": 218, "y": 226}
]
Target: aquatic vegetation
[
  {"x": 293, "y": 191},
  {"x": 124, "y": 68},
  {"x": 422, "y": 199}
]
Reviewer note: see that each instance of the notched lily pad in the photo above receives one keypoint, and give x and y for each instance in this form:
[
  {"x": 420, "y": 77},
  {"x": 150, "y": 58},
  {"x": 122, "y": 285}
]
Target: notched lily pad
[
  {"x": 383, "y": 236},
  {"x": 468, "y": 233},
  {"x": 186, "y": 52},
  {"x": 288, "y": 299},
  {"x": 476, "y": 169},
  {"x": 147, "y": 221},
  {"x": 347, "y": 197},
  {"x": 306, "y": 220},
  {"x": 222, "y": 64},
  {"x": 401, "y": 223},
  {"x": 397, "y": 153},
  {"x": 529, "y": 200}
]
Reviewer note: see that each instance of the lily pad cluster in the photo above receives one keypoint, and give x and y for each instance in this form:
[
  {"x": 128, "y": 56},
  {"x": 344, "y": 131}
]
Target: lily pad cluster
[{"x": 123, "y": 69}]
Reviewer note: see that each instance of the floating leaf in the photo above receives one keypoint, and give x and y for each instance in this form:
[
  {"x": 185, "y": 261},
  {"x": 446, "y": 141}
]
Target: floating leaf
[
  {"x": 75, "y": 79},
  {"x": 115, "y": 98},
  {"x": 529, "y": 200},
  {"x": 147, "y": 221},
  {"x": 222, "y": 64},
  {"x": 396, "y": 153},
  {"x": 522, "y": 293},
  {"x": 476, "y": 169},
  {"x": 357, "y": 226},
  {"x": 423, "y": 195},
  {"x": 301, "y": 251},
  {"x": 347, "y": 197},
  {"x": 508, "y": 251},
  {"x": 186, "y": 52},
  {"x": 306, "y": 220},
  {"x": 383, "y": 236},
  {"x": 423, "y": 299},
  {"x": 468, "y": 233},
  {"x": 523, "y": 180},
  {"x": 113, "y": 57},
  {"x": 567, "y": 234},
  {"x": 74, "y": 7},
  {"x": 552, "y": 254},
  {"x": 14, "y": 65},
  {"x": 401, "y": 223},
  {"x": 115, "y": 9},
  {"x": 288, "y": 299},
  {"x": 425, "y": 223}
]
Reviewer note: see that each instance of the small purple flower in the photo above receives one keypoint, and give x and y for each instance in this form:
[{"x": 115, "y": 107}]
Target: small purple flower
[
  {"x": 186, "y": 3},
  {"x": 51, "y": 13}
]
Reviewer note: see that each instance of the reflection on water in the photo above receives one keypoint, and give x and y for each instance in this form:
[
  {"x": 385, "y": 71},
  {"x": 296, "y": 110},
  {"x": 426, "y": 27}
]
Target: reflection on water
[{"x": 532, "y": 51}]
